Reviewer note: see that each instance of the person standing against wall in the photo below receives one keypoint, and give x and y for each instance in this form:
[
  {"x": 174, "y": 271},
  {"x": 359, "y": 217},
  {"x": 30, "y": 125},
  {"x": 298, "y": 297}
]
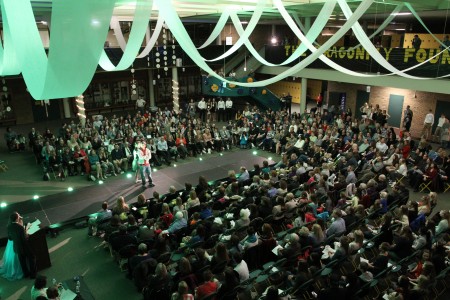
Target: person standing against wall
[
  {"x": 229, "y": 109},
  {"x": 427, "y": 124},
  {"x": 407, "y": 118},
  {"x": 202, "y": 109},
  {"x": 416, "y": 42},
  {"x": 438, "y": 130}
]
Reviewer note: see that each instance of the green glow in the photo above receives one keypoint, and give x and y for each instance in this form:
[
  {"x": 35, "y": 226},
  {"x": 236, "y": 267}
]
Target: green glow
[
  {"x": 129, "y": 175},
  {"x": 70, "y": 189},
  {"x": 35, "y": 197},
  {"x": 270, "y": 158},
  {"x": 200, "y": 159},
  {"x": 254, "y": 152},
  {"x": 155, "y": 169},
  {"x": 175, "y": 165},
  {"x": 3, "y": 204},
  {"x": 100, "y": 182}
]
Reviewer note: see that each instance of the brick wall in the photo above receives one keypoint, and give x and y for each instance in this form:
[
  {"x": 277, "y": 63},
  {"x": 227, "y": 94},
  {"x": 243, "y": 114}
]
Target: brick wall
[{"x": 420, "y": 102}]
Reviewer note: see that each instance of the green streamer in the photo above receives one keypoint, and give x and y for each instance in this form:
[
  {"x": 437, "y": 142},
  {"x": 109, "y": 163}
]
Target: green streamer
[
  {"x": 79, "y": 30},
  {"x": 142, "y": 14},
  {"x": 177, "y": 28},
  {"x": 9, "y": 64}
]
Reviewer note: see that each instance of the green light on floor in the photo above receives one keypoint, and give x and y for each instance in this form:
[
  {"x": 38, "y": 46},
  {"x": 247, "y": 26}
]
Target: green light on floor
[
  {"x": 100, "y": 182},
  {"x": 70, "y": 189},
  {"x": 175, "y": 165},
  {"x": 221, "y": 154},
  {"x": 270, "y": 157},
  {"x": 3, "y": 204},
  {"x": 254, "y": 152},
  {"x": 35, "y": 197},
  {"x": 129, "y": 175},
  {"x": 200, "y": 159},
  {"x": 155, "y": 169}
]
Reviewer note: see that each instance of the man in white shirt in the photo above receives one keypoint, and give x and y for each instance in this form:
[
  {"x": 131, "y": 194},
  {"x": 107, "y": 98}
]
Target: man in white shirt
[
  {"x": 427, "y": 123},
  {"x": 221, "y": 110},
  {"x": 229, "y": 109},
  {"x": 438, "y": 130},
  {"x": 381, "y": 146},
  {"x": 202, "y": 109},
  {"x": 140, "y": 104}
]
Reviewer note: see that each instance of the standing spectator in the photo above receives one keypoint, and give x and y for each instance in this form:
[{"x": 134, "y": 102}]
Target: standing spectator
[
  {"x": 438, "y": 131},
  {"x": 229, "y": 109},
  {"x": 427, "y": 124},
  {"x": 407, "y": 118},
  {"x": 221, "y": 110},
  {"x": 202, "y": 109},
  {"x": 416, "y": 42}
]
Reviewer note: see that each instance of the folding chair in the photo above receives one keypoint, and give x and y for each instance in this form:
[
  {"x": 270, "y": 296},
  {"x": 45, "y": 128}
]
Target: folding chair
[{"x": 425, "y": 186}]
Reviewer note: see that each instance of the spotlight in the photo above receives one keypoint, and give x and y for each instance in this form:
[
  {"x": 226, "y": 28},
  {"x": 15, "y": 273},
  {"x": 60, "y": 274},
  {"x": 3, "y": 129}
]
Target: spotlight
[
  {"x": 129, "y": 175},
  {"x": 175, "y": 165},
  {"x": 254, "y": 152},
  {"x": 273, "y": 40},
  {"x": 155, "y": 169},
  {"x": 221, "y": 154},
  {"x": 200, "y": 159},
  {"x": 70, "y": 189},
  {"x": 35, "y": 197},
  {"x": 270, "y": 157},
  {"x": 100, "y": 182},
  {"x": 3, "y": 204}
]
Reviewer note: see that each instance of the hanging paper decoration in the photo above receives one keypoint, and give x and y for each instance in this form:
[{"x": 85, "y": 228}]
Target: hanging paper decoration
[
  {"x": 249, "y": 79},
  {"x": 231, "y": 86},
  {"x": 69, "y": 67},
  {"x": 264, "y": 92},
  {"x": 214, "y": 87}
]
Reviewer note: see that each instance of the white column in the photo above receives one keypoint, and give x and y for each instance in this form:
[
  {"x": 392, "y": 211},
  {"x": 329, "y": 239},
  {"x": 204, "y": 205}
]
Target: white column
[
  {"x": 175, "y": 89},
  {"x": 66, "y": 107},
  {"x": 303, "y": 95},
  {"x": 151, "y": 88}
]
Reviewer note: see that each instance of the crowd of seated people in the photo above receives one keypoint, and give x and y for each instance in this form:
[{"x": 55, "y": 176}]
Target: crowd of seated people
[
  {"x": 327, "y": 219},
  {"x": 289, "y": 235}
]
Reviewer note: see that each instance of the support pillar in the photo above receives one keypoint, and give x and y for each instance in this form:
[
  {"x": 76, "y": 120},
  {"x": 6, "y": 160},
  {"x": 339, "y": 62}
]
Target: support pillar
[
  {"x": 151, "y": 87},
  {"x": 303, "y": 95},
  {"x": 175, "y": 90},
  {"x": 66, "y": 107}
]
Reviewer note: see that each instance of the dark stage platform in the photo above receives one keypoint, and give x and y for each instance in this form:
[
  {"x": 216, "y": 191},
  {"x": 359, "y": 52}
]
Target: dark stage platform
[{"x": 62, "y": 207}]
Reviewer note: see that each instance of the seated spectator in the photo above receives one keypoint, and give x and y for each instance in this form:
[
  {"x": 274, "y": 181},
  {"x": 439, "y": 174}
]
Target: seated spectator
[
  {"x": 179, "y": 223},
  {"x": 337, "y": 227},
  {"x": 121, "y": 209},
  {"x": 121, "y": 239},
  {"x": 182, "y": 293},
  {"x": 241, "y": 267},
  {"x": 39, "y": 287},
  {"x": 135, "y": 260},
  {"x": 97, "y": 222},
  {"x": 166, "y": 217},
  {"x": 119, "y": 160},
  {"x": 208, "y": 287}
]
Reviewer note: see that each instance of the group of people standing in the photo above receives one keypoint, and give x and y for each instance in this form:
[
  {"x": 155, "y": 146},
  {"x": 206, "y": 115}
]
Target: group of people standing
[{"x": 212, "y": 110}]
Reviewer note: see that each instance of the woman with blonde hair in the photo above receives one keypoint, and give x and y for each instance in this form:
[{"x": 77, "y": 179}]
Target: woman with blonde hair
[
  {"x": 317, "y": 235},
  {"x": 182, "y": 292},
  {"x": 121, "y": 206}
]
